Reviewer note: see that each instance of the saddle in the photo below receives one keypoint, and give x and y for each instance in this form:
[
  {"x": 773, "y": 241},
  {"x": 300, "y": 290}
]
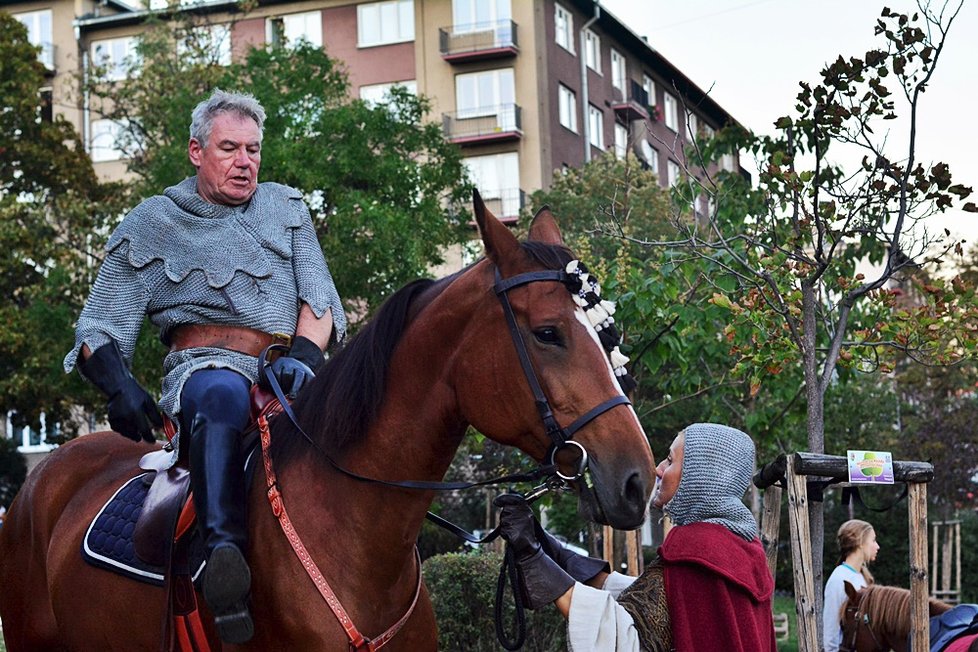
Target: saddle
[
  {"x": 146, "y": 531},
  {"x": 961, "y": 620}
]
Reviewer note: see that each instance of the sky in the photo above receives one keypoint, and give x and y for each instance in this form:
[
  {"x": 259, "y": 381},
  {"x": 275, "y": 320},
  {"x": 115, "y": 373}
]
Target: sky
[{"x": 751, "y": 54}]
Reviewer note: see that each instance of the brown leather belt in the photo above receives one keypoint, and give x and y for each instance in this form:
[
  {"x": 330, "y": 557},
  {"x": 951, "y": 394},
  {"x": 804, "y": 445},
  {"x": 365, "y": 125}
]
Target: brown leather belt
[{"x": 234, "y": 338}]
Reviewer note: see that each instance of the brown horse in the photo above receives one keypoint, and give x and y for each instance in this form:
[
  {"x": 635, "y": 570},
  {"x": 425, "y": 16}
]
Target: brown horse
[
  {"x": 877, "y": 618},
  {"x": 393, "y": 404}
]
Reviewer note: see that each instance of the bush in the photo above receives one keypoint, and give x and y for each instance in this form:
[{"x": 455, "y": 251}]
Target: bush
[
  {"x": 463, "y": 591},
  {"x": 13, "y": 471}
]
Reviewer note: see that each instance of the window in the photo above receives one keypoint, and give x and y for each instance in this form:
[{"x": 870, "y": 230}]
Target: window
[
  {"x": 692, "y": 126},
  {"x": 671, "y": 111},
  {"x": 485, "y": 93},
  {"x": 709, "y": 131},
  {"x": 38, "y": 24},
  {"x": 564, "y": 28},
  {"x": 621, "y": 140},
  {"x": 649, "y": 87},
  {"x": 476, "y": 15},
  {"x": 727, "y": 162},
  {"x": 380, "y": 23},
  {"x": 651, "y": 156},
  {"x": 595, "y": 118},
  {"x": 29, "y": 439},
  {"x": 210, "y": 44},
  {"x": 672, "y": 169},
  {"x": 290, "y": 29},
  {"x": 592, "y": 51},
  {"x": 165, "y": 4},
  {"x": 110, "y": 142},
  {"x": 498, "y": 179},
  {"x": 116, "y": 56},
  {"x": 567, "y": 100},
  {"x": 618, "y": 71},
  {"x": 379, "y": 93}
]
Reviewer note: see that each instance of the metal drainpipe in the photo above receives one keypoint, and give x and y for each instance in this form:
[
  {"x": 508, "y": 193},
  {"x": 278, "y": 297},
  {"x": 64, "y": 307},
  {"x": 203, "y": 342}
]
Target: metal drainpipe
[
  {"x": 86, "y": 135},
  {"x": 585, "y": 105}
]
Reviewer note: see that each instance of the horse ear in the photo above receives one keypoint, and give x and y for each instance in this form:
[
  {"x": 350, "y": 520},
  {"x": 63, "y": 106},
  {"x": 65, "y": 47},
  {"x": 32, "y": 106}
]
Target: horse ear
[
  {"x": 499, "y": 241},
  {"x": 544, "y": 228},
  {"x": 850, "y": 590}
]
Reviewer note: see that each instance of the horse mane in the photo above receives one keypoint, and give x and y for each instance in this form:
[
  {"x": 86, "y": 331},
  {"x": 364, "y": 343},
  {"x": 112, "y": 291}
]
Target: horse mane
[
  {"x": 340, "y": 405},
  {"x": 889, "y": 607}
]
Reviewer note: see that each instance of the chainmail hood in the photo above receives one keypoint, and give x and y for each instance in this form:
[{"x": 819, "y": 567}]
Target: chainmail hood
[{"x": 717, "y": 465}]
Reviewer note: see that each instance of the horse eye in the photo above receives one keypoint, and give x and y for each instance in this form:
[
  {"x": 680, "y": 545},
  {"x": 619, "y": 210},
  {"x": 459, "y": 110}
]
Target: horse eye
[{"x": 548, "y": 335}]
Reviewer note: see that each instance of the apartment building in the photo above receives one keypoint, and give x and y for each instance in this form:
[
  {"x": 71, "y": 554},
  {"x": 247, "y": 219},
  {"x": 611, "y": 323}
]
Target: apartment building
[{"x": 524, "y": 87}]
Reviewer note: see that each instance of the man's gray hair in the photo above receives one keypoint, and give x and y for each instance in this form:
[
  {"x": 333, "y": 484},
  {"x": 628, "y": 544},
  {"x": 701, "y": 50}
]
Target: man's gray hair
[{"x": 242, "y": 104}]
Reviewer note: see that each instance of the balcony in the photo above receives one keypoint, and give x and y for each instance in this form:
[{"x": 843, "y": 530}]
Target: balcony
[
  {"x": 633, "y": 107},
  {"x": 478, "y": 42},
  {"x": 483, "y": 125},
  {"x": 506, "y": 204}
]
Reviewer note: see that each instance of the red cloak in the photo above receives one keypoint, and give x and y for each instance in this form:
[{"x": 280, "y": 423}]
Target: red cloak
[{"x": 718, "y": 589}]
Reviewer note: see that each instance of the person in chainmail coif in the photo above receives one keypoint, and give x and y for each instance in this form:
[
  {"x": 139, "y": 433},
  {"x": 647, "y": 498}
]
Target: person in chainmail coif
[
  {"x": 224, "y": 266},
  {"x": 708, "y": 588}
]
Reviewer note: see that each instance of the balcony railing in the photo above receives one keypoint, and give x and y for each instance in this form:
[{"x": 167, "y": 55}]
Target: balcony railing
[
  {"x": 483, "y": 125},
  {"x": 635, "y": 106},
  {"x": 461, "y": 43},
  {"x": 504, "y": 204}
]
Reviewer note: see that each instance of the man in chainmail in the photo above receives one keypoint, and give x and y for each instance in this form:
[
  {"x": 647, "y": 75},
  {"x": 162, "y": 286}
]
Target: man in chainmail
[
  {"x": 224, "y": 266},
  {"x": 709, "y": 587}
]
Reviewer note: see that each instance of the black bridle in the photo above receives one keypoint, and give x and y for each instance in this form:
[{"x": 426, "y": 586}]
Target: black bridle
[
  {"x": 553, "y": 477},
  {"x": 860, "y": 618},
  {"x": 560, "y": 437}
]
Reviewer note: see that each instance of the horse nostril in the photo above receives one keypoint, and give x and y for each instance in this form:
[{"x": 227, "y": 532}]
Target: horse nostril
[{"x": 635, "y": 493}]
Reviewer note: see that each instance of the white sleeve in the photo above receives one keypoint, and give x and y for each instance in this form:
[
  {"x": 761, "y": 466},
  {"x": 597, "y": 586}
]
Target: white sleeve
[
  {"x": 833, "y": 598},
  {"x": 597, "y": 622},
  {"x": 616, "y": 582}
]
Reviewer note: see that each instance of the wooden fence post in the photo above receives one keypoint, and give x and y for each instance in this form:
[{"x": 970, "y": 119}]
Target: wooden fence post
[
  {"x": 919, "y": 613},
  {"x": 801, "y": 557}
]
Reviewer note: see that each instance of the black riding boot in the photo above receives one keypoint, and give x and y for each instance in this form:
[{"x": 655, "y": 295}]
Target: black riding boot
[{"x": 216, "y": 477}]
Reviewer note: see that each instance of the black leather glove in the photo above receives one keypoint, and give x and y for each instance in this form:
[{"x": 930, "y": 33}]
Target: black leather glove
[
  {"x": 578, "y": 566},
  {"x": 132, "y": 411},
  {"x": 294, "y": 369},
  {"x": 542, "y": 579}
]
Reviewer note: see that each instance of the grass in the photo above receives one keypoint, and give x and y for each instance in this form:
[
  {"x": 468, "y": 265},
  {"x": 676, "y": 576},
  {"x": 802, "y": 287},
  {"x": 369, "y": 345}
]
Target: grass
[{"x": 786, "y": 604}]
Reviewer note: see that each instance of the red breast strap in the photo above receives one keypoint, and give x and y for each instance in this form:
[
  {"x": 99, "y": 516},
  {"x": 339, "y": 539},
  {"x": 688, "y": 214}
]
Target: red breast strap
[{"x": 358, "y": 642}]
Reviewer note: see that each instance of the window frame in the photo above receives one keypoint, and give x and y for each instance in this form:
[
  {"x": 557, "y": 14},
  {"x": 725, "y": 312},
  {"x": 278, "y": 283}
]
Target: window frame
[
  {"x": 592, "y": 51},
  {"x": 621, "y": 140},
  {"x": 402, "y": 30},
  {"x": 567, "y": 29},
  {"x": 116, "y": 70},
  {"x": 670, "y": 111},
  {"x": 567, "y": 107},
  {"x": 464, "y": 112},
  {"x": 595, "y": 118},
  {"x": 619, "y": 70},
  {"x": 285, "y": 18}
]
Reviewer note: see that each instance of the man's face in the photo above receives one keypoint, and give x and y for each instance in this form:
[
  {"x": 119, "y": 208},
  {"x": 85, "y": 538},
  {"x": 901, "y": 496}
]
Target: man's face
[{"x": 227, "y": 169}]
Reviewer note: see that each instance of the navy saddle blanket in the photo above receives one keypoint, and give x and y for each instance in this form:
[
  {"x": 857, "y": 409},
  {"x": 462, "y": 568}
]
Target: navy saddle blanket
[
  {"x": 959, "y": 621},
  {"x": 108, "y": 543}
]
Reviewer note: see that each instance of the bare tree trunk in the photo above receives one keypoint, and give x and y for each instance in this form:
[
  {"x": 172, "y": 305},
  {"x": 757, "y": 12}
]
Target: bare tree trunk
[{"x": 816, "y": 432}]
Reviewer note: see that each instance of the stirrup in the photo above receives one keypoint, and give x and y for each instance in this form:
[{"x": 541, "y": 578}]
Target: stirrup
[{"x": 226, "y": 585}]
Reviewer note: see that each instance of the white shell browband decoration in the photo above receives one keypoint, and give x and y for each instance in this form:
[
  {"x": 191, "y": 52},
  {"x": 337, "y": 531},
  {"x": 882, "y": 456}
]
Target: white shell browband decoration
[{"x": 600, "y": 312}]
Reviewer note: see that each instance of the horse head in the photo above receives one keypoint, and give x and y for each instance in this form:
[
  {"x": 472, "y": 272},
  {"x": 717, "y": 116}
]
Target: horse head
[
  {"x": 547, "y": 341},
  {"x": 876, "y": 618}
]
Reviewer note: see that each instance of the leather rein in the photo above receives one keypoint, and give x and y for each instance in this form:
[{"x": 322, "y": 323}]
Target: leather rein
[{"x": 561, "y": 438}]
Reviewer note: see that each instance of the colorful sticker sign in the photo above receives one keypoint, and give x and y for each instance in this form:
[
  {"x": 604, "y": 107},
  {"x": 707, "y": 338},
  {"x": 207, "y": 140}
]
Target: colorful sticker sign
[{"x": 874, "y": 467}]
